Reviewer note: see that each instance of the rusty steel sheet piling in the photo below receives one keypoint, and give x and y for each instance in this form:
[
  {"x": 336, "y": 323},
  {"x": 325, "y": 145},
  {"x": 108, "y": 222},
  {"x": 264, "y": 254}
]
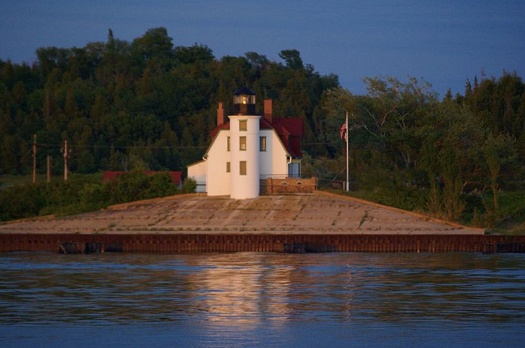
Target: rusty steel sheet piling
[{"x": 283, "y": 243}]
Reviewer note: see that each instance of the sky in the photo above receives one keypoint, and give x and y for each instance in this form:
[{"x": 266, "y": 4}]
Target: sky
[{"x": 443, "y": 42}]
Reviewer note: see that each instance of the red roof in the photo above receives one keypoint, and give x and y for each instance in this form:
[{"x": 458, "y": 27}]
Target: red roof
[
  {"x": 290, "y": 130},
  {"x": 176, "y": 176}
]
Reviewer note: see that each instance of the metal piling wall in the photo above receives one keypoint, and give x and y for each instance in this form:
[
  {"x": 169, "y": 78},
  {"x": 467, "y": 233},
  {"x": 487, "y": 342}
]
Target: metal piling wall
[{"x": 291, "y": 243}]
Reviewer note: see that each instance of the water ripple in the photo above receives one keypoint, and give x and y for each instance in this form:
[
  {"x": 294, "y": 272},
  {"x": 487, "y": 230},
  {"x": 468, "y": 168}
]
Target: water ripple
[{"x": 214, "y": 294}]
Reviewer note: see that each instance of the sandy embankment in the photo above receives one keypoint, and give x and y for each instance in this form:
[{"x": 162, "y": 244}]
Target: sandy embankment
[{"x": 316, "y": 213}]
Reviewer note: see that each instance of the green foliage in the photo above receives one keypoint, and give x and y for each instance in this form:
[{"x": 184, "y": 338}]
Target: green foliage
[
  {"x": 512, "y": 206},
  {"x": 84, "y": 193},
  {"x": 144, "y": 104},
  {"x": 189, "y": 185},
  {"x": 19, "y": 202},
  {"x": 135, "y": 185},
  {"x": 450, "y": 158},
  {"x": 512, "y": 212}
]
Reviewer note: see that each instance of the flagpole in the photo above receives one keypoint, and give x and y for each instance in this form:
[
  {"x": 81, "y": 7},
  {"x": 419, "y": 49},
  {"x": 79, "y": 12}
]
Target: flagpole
[{"x": 347, "y": 174}]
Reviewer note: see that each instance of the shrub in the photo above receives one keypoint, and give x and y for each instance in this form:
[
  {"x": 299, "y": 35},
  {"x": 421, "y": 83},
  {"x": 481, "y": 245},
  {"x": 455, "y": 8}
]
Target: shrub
[
  {"x": 189, "y": 185},
  {"x": 84, "y": 193}
]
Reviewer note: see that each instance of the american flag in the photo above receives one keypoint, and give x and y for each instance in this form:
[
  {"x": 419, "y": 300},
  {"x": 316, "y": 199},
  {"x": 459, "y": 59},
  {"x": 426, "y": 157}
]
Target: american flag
[{"x": 343, "y": 133}]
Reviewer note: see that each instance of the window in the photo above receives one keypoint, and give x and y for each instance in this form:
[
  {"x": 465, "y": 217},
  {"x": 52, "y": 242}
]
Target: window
[
  {"x": 228, "y": 144},
  {"x": 262, "y": 143},
  {"x": 294, "y": 170},
  {"x": 243, "y": 125},
  {"x": 242, "y": 167},
  {"x": 228, "y": 167},
  {"x": 242, "y": 143}
]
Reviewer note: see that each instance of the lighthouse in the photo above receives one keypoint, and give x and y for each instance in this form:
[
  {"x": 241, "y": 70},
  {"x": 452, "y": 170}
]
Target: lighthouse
[
  {"x": 247, "y": 148},
  {"x": 244, "y": 146}
]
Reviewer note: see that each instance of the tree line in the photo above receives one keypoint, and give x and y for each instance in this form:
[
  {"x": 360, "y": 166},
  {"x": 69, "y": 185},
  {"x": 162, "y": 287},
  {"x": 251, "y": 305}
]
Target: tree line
[
  {"x": 450, "y": 157},
  {"x": 149, "y": 104},
  {"x": 145, "y": 103},
  {"x": 83, "y": 193}
]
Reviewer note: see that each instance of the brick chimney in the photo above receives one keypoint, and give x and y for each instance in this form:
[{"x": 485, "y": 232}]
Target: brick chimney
[
  {"x": 220, "y": 114},
  {"x": 268, "y": 109}
]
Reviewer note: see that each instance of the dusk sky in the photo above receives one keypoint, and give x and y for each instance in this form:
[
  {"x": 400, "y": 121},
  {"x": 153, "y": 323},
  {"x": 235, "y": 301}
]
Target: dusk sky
[{"x": 444, "y": 42}]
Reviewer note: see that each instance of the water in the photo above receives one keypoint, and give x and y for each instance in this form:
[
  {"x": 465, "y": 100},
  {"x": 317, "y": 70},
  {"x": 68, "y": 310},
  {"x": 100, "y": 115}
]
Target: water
[{"x": 262, "y": 300}]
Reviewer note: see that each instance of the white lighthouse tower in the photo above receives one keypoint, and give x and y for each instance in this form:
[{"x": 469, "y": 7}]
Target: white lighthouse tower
[{"x": 244, "y": 146}]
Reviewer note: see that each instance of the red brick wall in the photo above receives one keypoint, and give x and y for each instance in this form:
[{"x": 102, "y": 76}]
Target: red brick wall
[{"x": 289, "y": 185}]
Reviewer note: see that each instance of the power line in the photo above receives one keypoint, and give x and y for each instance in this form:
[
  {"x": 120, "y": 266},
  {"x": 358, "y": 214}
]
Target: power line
[{"x": 58, "y": 146}]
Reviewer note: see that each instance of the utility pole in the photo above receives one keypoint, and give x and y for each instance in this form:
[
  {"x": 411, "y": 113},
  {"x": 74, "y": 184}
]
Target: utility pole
[
  {"x": 34, "y": 158},
  {"x": 347, "y": 173},
  {"x": 343, "y": 133},
  {"x": 48, "y": 168},
  {"x": 66, "y": 154}
]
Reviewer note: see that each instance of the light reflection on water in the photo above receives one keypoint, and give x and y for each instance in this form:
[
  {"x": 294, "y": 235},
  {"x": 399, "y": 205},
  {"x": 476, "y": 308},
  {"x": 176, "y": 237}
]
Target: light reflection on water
[{"x": 262, "y": 299}]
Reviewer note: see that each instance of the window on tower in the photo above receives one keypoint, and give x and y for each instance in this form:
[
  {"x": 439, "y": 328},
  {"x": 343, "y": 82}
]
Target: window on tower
[
  {"x": 242, "y": 167},
  {"x": 227, "y": 143},
  {"x": 243, "y": 125},
  {"x": 242, "y": 143}
]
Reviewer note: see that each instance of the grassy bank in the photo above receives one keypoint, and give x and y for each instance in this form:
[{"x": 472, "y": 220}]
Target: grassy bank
[
  {"x": 19, "y": 198},
  {"x": 509, "y": 220}
]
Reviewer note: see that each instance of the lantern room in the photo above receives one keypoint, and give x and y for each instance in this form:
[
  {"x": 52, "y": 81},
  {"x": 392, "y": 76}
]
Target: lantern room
[{"x": 244, "y": 102}]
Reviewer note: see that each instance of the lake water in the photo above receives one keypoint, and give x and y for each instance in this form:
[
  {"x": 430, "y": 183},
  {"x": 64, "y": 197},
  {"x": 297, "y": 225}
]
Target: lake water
[{"x": 262, "y": 300}]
